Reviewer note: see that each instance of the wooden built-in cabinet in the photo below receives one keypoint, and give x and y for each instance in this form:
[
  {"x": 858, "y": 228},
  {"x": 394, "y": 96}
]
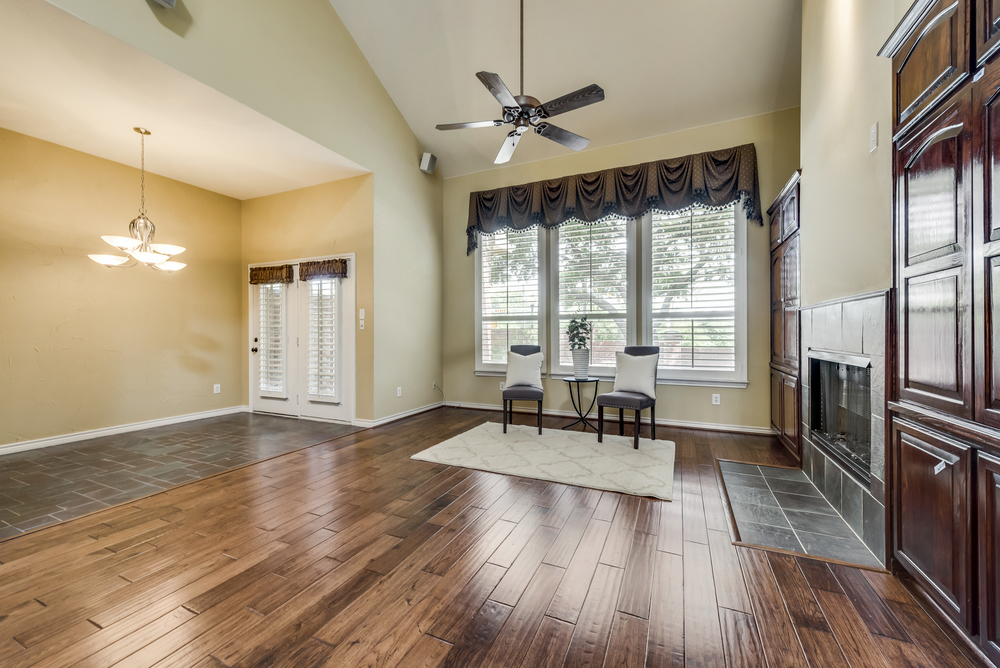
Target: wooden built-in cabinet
[
  {"x": 785, "y": 394},
  {"x": 944, "y": 404}
]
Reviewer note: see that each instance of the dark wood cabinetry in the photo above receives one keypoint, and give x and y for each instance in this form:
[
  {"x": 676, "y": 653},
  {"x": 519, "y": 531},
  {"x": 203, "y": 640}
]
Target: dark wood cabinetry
[
  {"x": 785, "y": 399},
  {"x": 932, "y": 526},
  {"x": 944, "y": 408}
]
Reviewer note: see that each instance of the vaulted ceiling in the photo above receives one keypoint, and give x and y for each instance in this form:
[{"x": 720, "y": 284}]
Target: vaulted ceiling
[{"x": 665, "y": 65}]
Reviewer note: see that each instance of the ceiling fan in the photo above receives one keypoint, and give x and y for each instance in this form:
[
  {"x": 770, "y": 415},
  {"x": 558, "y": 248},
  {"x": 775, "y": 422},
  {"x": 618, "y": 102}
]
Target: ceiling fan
[{"x": 526, "y": 113}]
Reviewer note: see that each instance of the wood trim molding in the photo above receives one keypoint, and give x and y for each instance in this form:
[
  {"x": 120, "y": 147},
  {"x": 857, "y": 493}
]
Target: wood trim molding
[{"x": 913, "y": 17}]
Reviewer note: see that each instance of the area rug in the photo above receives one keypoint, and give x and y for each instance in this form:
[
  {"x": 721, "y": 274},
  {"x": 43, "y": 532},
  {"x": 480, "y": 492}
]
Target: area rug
[{"x": 568, "y": 457}]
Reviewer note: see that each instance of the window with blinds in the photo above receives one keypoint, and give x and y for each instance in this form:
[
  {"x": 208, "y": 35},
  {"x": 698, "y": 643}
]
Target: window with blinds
[
  {"x": 322, "y": 350},
  {"x": 509, "y": 294},
  {"x": 272, "y": 339},
  {"x": 593, "y": 280},
  {"x": 692, "y": 300}
]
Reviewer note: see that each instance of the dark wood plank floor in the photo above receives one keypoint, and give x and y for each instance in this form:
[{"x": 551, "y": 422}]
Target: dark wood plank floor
[{"x": 351, "y": 554}]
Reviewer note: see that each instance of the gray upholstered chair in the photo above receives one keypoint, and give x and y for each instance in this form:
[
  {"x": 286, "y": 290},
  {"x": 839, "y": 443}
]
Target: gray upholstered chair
[
  {"x": 632, "y": 401},
  {"x": 522, "y": 392}
]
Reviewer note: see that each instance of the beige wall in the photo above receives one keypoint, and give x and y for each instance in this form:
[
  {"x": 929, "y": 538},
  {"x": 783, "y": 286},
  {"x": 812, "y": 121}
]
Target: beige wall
[
  {"x": 84, "y": 346},
  {"x": 846, "y": 190},
  {"x": 295, "y": 62},
  {"x": 328, "y": 219},
  {"x": 776, "y": 137}
]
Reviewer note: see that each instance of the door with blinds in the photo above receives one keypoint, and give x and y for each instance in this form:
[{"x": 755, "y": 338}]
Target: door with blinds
[{"x": 302, "y": 339}]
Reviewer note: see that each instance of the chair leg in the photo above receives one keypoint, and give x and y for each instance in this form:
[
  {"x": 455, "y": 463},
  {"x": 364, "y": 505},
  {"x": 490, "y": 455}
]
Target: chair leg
[
  {"x": 621, "y": 421},
  {"x": 539, "y": 418},
  {"x": 652, "y": 420},
  {"x": 636, "y": 436},
  {"x": 600, "y": 424},
  {"x": 505, "y": 416}
]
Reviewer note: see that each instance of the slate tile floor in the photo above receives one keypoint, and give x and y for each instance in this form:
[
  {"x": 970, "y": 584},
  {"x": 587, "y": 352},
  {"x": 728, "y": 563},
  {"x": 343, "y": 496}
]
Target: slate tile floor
[
  {"x": 48, "y": 485},
  {"x": 781, "y": 508}
]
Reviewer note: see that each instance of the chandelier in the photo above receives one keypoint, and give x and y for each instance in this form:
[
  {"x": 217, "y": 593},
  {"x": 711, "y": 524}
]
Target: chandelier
[{"x": 139, "y": 244}]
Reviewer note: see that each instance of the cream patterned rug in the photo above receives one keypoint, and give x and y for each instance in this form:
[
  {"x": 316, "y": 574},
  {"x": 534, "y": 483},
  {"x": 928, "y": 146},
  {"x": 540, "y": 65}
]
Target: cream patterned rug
[{"x": 568, "y": 457}]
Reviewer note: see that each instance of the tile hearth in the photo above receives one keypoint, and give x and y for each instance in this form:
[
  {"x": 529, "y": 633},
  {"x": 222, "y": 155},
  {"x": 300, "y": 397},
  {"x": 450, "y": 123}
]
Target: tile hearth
[{"x": 782, "y": 508}]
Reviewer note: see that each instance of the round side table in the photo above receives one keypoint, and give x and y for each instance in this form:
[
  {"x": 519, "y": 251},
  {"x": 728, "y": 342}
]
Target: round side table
[{"x": 578, "y": 401}]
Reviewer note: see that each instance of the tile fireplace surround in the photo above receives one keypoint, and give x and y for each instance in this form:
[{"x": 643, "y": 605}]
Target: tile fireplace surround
[{"x": 854, "y": 326}]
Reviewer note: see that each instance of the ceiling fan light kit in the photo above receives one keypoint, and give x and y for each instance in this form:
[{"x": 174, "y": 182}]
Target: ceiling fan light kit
[
  {"x": 527, "y": 113},
  {"x": 139, "y": 244}
]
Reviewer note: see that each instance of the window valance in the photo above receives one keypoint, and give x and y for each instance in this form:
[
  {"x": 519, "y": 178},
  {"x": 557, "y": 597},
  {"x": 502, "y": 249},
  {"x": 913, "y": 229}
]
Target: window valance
[
  {"x": 276, "y": 274},
  {"x": 715, "y": 178},
  {"x": 336, "y": 268}
]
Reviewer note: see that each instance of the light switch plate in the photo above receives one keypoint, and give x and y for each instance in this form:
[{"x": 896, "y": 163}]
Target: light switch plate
[
  {"x": 873, "y": 138},
  {"x": 361, "y": 314},
  {"x": 217, "y": 389}
]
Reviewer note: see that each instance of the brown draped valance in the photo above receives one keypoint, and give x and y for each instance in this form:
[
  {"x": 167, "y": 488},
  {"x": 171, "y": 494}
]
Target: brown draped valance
[
  {"x": 336, "y": 268},
  {"x": 715, "y": 178},
  {"x": 276, "y": 274}
]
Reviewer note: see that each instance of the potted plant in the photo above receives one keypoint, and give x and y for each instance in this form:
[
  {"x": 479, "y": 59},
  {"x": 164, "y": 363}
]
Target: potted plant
[{"x": 579, "y": 332}]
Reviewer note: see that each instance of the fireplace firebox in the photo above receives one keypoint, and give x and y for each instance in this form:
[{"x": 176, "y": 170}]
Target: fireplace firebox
[{"x": 840, "y": 410}]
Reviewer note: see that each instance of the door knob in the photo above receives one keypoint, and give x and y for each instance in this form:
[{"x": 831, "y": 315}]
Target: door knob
[{"x": 253, "y": 350}]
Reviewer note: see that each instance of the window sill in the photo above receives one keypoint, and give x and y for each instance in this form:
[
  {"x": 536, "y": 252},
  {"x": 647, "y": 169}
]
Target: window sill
[
  {"x": 496, "y": 374},
  {"x": 738, "y": 384}
]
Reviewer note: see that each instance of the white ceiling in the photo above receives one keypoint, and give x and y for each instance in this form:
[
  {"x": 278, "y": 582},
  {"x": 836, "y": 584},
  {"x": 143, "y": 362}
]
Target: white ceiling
[
  {"x": 665, "y": 65},
  {"x": 64, "y": 81}
]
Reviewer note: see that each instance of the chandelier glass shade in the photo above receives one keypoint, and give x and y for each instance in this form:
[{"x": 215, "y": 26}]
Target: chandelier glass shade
[{"x": 138, "y": 245}]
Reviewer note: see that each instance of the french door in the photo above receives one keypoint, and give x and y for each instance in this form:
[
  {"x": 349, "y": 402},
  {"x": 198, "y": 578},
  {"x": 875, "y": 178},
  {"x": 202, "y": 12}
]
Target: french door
[{"x": 302, "y": 347}]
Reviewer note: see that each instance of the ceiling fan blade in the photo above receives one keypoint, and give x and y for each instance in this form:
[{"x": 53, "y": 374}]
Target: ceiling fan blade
[
  {"x": 464, "y": 126},
  {"x": 564, "y": 137},
  {"x": 507, "y": 150},
  {"x": 578, "y": 98},
  {"x": 498, "y": 89}
]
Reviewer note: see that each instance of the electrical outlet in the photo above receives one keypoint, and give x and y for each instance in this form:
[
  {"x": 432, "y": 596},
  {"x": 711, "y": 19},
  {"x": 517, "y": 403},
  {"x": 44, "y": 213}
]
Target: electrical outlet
[
  {"x": 716, "y": 399},
  {"x": 501, "y": 385},
  {"x": 362, "y": 324},
  {"x": 873, "y": 138},
  {"x": 399, "y": 391},
  {"x": 218, "y": 388}
]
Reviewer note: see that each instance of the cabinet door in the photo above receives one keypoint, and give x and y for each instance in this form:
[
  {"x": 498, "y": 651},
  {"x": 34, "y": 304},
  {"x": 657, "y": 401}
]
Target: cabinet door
[
  {"x": 986, "y": 248},
  {"x": 934, "y": 172},
  {"x": 790, "y": 213},
  {"x": 987, "y": 29},
  {"x": 790, "y": 300},
  {"x": 932, "y": 526},
  {"x": 776, "y": 401},
  {"x": 790, "y": 413},
  {"x": 989, "y": 554},
  {"x": 931, "y": 63}
]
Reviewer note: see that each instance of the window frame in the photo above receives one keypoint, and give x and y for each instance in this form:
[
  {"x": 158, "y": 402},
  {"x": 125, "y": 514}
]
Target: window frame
[
  {"x": 495, "y": 369},
  {"x": 702, "y": 377},
  {"x": 558, "y": 370},
  {"x": 338, "y": 318}
]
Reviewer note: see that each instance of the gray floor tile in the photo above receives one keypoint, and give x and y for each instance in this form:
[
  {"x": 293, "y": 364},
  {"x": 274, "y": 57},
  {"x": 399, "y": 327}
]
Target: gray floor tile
[
  {"x": 741, "y": 480},
  {"x": 749, "y": 469},
  {"x": 769, "y": 536},
  {"x": 747, "y": 495},
  {"x": 852, "y": 551},
  {"x": 749, "y": 512},
  {"x": 803, "y": 487},
  {"x": 773, "y": 472},
  {"x": 810, "y": 504},
  {"x": 830, "y": 525}
]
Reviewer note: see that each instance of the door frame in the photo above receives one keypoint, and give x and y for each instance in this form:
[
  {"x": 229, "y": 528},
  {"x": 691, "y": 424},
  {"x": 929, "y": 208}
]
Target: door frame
[{"x": 350, "y": 328}]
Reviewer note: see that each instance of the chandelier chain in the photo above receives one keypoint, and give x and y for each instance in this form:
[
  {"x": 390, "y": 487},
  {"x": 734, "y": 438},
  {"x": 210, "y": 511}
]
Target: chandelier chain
[{"x": 142, "y": 184}]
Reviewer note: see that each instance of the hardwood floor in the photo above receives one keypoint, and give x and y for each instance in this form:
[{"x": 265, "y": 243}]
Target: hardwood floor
[{"x": 349, "y": 553}]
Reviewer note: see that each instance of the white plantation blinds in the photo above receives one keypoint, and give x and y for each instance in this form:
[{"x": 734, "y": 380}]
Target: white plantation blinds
[
  {"x": 322, "y": 350},
  {"x": 593, "y": 281},
  {"x": 272, "y": 338},
  {"x": 509, "y": 293},
  {"x": 693, "y": 298}
]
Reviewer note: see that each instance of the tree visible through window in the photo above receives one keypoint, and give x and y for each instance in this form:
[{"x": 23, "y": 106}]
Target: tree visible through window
[
  {"x": 509, "y": 293},
  {"x": 593, "y": 281},
  {"x": 693, "y": 295}
]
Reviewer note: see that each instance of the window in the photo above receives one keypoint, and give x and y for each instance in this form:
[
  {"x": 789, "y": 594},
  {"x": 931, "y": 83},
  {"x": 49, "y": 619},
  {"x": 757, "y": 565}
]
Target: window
[
  {"x": 592, "y": 267},
  {"x": 322, "y": 351},
  {"x": 272, "y": 339},
  {"x": 695, "y": 293},
  {"x": 509, "y": 296}
]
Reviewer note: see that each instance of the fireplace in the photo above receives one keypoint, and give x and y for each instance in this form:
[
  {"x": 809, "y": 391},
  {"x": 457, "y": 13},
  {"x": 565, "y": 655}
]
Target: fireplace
[{"x": 840, "y": 418}]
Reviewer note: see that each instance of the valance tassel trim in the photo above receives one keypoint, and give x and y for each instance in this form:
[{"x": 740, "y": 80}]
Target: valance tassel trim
[{"x": 714, "y": 179}]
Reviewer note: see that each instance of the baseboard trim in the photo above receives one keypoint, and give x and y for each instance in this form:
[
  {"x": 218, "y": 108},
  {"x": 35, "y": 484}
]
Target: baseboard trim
[
  {"x": 21, "y": 446},
  {"x": 369, "y": 424},
  {"x": 613, "y": 417}
]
